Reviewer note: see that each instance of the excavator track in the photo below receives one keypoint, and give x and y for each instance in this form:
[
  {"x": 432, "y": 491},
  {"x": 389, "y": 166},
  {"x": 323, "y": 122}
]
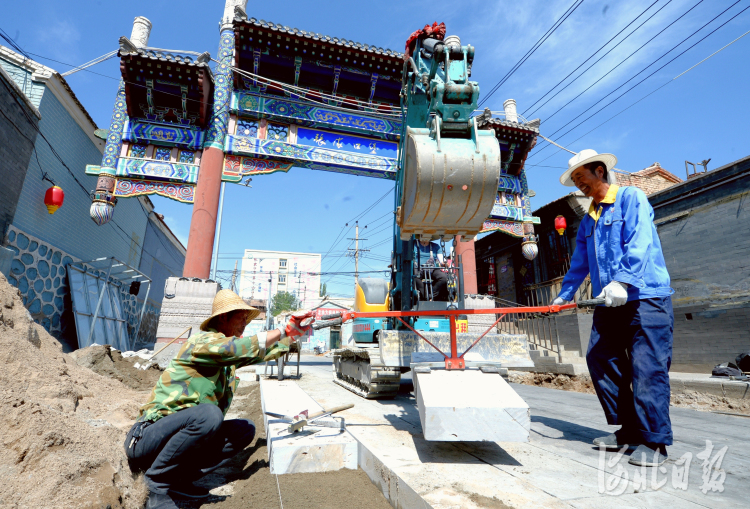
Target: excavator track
[{"x": 353, "y": 370}]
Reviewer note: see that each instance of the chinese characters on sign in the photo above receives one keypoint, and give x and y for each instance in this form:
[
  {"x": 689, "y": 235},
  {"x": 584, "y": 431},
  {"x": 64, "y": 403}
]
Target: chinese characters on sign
[
  {"x": 615, "y": 482},
  {"x": 346, "y": 142}
]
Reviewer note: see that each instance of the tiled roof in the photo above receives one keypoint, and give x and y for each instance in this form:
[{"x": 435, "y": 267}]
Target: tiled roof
[
  {"x": 163, "y": 56},
  {"x": 336, "y": 41},
  {"x": 499, "y": 122}
]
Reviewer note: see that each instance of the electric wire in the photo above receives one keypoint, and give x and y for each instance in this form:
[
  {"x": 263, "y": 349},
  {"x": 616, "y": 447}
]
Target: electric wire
[
  {"x": 533, "y": 49},
  {"x": 599, "y": 59},
  {"x": 647, "y": 77},
  {"x": 646, "y": 96},
  {"x": 623, "y": 61}
]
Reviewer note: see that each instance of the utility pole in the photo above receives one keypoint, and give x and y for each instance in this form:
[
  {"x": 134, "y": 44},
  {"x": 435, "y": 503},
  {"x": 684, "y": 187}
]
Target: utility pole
[
  {"x": 356, "y": 251},
  {"x": 234, "y": 277},
  {"x": 268, "y": 305}
]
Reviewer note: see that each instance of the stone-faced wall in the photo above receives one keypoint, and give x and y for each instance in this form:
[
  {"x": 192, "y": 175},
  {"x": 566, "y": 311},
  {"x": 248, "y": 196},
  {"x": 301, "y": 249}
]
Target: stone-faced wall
[{"x": 39, "y": 271}]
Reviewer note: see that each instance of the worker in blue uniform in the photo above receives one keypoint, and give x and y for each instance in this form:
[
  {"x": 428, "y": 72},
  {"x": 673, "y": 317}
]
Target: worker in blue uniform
[{"x": 631, "y": 337}]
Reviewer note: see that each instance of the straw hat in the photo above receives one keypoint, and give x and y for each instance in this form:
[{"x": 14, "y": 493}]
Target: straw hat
[
  {"x": 584, "y": 157},
  {"x": 227, "y": 301}
]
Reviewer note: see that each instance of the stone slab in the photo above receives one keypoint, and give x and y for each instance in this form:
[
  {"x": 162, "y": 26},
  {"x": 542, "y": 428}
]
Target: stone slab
[
  {"x": 185, "y": 303},
  {"x": 324, "y": 451},
  {"x": 469, "y": 405}
]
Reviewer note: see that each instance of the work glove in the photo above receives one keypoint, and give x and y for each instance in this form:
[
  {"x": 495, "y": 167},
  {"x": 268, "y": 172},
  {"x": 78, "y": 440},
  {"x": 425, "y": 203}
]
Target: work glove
[
  {"x": 614, "y": 294},
  {"x": 558, "y": 302},
  {"x": 294, "y": 328}
]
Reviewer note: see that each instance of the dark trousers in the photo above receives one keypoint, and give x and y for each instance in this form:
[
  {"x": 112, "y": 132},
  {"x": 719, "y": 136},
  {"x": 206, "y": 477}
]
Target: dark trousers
[
  {"x": 183, "y": 446},
  {"x": 439, "y": 286},
  {"x": 632, "y": 344}
]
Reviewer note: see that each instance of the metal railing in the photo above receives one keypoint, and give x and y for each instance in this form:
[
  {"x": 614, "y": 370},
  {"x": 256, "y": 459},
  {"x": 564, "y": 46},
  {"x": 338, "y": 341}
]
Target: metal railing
[
  {"x": 541, "y": 294},
  {"x": 540, "y": 329}
]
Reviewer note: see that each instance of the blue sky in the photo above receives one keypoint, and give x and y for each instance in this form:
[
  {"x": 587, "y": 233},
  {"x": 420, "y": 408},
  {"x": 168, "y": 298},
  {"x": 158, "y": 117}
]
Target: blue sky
[{"x": 701, "y": 115}]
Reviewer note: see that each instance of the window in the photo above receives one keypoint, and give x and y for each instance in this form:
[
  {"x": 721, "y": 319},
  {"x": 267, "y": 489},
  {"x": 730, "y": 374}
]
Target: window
[
  {"x": 247, "y": 128},
  {"x": 282, "y": 279},
  {"x": 187, "y": 156},
  {"x": 162, "y": 153},
  {"x": 138, "y": 151},
  {"x": 282, "y": 263},
  {"x": 277, "y": 132}
]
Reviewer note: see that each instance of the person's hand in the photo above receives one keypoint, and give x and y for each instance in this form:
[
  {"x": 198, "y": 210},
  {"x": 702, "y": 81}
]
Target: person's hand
[
  {"x": 294, "y": 328},
  {"x": 615, "y": 294},
  {"x": 558, "y": 301}
]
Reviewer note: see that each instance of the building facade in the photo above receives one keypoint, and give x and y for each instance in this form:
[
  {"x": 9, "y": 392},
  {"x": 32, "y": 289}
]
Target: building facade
[
  {"x": 44, "y": 244},
  {"x": 704, "y": 228},
  {"x": 266, "y": 273}
]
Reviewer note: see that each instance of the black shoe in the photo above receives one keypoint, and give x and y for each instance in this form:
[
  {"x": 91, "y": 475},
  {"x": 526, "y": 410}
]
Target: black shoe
[
  {"x": 649, "y": 455},
  {"x": 159, "y": 501},
  {"x": 616, "y": 440},
  {"x": 189, "y": 491}
]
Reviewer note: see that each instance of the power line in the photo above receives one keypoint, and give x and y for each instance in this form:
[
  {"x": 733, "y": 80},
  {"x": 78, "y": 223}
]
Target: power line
[
  {"x": 533, "y": 49},
  {"x": 647, "y": 77},
  {"x": 651, "y": 93},
  {"x": 592, "y": 56},
  {"x": 625, "y": 60}
]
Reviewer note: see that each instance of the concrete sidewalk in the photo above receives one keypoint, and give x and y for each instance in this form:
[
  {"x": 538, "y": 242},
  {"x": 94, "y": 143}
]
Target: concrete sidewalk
[{"x": 558, "y": 467}]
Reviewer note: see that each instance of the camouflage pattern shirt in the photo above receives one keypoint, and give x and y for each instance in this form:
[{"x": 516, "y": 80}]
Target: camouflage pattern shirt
[{"x": 204, "y": 372}]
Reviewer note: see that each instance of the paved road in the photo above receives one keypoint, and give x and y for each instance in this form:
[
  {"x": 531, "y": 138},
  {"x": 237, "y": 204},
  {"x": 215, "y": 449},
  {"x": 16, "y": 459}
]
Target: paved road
[{"x": 558, "y": 467}]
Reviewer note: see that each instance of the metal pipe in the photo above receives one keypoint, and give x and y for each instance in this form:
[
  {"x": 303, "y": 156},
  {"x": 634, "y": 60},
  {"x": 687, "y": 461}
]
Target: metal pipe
[
  {"x": 99, "y": 303},
  {"x": 557, "y": 334},
  {"x": 140, "y": 318}
]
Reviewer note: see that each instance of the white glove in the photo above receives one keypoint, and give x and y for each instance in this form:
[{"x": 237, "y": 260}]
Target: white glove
[
  {"x": 615, "y": 294},
  {"x": 558, "y": 302}
]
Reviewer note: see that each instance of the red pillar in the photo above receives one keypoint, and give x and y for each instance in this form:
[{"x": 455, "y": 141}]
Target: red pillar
[
  {"x": 205, "y": 212},
  {"x": 468, "y": 258}
]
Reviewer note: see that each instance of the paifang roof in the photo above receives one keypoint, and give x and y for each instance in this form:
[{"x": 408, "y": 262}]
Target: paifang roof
[{"x": 334, "y": 41}]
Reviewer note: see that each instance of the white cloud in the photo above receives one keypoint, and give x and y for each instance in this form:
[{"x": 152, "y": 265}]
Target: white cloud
[{"x": 61, "y": 37}]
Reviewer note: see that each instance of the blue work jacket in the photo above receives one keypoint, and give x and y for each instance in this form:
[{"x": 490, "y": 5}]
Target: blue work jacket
[{"x": 621, "y": 245}]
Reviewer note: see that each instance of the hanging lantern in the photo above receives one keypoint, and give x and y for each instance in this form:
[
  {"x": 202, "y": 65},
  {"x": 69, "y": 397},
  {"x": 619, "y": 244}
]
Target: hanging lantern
[
  {"x": 53, "y": 199},
  {"x": 560, "y": 224}
]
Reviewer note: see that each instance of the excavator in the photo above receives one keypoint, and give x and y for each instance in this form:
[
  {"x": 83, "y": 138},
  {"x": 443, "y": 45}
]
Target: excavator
[{"x": 451, "y": 167}]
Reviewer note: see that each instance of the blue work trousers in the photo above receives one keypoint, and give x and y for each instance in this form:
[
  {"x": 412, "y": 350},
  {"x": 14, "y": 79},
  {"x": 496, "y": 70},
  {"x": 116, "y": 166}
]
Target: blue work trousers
[
  {"x": 632, "y": 344},
  {"x": 182, "y": 447}
]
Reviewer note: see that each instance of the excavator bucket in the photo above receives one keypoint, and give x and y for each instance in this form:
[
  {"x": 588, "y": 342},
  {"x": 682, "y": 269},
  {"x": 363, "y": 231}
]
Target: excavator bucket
[{"x": 450, "y": 184}]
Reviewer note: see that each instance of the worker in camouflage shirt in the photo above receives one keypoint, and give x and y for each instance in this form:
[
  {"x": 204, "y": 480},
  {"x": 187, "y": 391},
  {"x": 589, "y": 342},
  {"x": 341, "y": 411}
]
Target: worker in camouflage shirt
[{"x": 181, "y": 434}]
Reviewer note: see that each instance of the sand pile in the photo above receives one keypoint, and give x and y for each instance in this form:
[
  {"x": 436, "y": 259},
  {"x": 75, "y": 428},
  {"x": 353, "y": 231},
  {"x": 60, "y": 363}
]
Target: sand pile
[
  {"x": 582, "y": 383},
  {"x": 107, "y": 361},
  {"x": 63, "y": 425},
  {"x": 575, "y": 383}
]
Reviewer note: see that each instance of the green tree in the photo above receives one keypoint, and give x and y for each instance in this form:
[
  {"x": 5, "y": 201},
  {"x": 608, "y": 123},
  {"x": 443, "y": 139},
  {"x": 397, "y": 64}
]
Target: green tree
[
  {"x": 323, "y": 290},
  {"x": 283, "y": 301}
]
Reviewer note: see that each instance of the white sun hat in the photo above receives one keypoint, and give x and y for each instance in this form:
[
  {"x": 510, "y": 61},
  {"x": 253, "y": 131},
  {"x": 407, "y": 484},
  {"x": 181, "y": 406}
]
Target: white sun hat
[{"x": 584, "y": 157}]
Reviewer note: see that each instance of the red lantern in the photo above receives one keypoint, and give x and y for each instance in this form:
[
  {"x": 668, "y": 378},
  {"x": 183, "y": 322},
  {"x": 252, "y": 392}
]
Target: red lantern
[
  {"x": 560, "y": 224},
  {"x": 53, "y": 199}
]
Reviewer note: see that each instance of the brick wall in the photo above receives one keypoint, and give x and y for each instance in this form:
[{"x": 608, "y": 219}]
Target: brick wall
[
  {"x": 17, "y": 134},
  {"x": 704, "y": 227},
  {"x": 71, "y": 229},
  {"x": 32, "y": 89}
]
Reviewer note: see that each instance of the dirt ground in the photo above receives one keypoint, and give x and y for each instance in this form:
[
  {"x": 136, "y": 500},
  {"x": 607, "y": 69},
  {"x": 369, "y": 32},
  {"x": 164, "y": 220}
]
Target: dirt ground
[
  {"x": 110, "y": 363},
  {"x": 582, "y": 383},
  {"x": 248, "y": 482},
  {"x": 63, "y": 425},
  {"x": 64, "y": 419}
]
